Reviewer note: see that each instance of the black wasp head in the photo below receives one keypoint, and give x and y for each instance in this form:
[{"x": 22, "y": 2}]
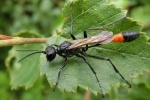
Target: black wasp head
[{"x": 50, "y": 52}]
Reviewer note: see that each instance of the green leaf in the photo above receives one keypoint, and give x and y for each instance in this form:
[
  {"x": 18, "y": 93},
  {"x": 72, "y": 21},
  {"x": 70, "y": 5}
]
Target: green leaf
[
  {"x": 26, "y": 72},
  {"x": 95, "y": 13},
  {"x": 130, "y": 61}
]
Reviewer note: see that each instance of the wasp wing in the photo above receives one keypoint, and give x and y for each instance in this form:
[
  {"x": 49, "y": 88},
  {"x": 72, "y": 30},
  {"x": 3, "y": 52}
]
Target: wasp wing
[{"x": 101, "y": 38}]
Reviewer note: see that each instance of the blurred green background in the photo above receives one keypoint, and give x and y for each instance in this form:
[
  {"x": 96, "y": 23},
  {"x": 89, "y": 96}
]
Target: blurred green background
[{"x": 45, "y": 17}]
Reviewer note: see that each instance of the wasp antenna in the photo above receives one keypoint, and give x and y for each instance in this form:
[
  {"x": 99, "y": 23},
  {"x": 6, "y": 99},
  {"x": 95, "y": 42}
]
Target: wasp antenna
[
  {"x": 31, "y": 54},
  {"x": 29, "y": 50}
]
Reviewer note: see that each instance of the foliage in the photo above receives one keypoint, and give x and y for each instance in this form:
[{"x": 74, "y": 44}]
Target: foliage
[{"x": 38, "y": 16}]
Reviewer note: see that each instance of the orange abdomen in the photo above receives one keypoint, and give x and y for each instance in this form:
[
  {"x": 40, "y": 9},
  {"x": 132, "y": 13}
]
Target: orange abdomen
[
  {"x": 125, "y": 36},
  {"x": 118, "y": 38}
]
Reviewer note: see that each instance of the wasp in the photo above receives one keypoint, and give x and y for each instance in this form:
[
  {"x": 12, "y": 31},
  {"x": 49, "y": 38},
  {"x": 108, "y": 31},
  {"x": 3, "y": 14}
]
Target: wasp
[{"x": 78, "y": 48}]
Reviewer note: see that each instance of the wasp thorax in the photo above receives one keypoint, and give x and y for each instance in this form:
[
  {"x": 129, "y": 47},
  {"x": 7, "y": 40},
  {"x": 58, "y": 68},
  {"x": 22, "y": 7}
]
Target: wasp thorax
[
  {"x": 65, "y": 45},
  {"x": 50, "y": 53}
]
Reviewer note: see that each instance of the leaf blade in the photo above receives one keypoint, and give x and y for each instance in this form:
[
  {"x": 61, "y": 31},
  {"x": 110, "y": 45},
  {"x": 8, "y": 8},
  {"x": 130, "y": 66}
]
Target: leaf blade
[
  {"x": 25, "y": 73},
  {"x": 73, "y": 76}
]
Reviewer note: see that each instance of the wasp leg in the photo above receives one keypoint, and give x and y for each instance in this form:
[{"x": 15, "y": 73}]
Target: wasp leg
[
  {"x": 72, "y": 36},
  {"x": 60, "y": 73},
  {"x": 94, "y": 45},
  {"x": 85, "y": 36},
  {"x": 107, "y": 59},
  {"x": 85, "y": 60}
]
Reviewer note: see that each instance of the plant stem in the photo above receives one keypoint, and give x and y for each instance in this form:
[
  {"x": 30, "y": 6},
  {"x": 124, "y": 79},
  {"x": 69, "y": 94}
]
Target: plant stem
[
  {"x": 87, "y": 95},
  {"x": 20, "y": 40}
]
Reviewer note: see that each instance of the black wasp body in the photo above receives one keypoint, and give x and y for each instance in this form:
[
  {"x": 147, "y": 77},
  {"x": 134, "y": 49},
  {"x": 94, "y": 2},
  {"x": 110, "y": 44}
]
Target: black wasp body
[
  {"x": 61, "y": 50},
  {"x": 65, "y": 51}
]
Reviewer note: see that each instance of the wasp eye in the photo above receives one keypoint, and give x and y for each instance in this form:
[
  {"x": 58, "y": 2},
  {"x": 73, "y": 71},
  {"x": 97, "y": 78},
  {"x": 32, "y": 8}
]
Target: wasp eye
[{"x": 50, "y": 53}]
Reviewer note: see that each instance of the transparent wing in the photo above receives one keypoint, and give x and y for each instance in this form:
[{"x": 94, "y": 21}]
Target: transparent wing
[{"x": 101, "y": 38}]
